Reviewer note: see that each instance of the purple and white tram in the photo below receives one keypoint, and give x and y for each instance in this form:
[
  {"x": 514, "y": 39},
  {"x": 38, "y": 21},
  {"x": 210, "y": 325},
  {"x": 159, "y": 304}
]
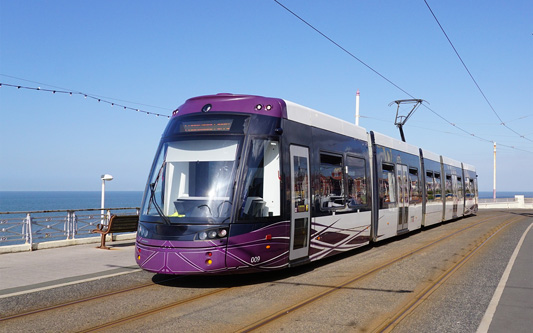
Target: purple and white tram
[{"x": 243, "y": 183}]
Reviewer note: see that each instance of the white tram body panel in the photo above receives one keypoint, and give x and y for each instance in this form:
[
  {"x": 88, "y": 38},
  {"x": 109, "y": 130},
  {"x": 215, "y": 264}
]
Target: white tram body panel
[
  {"x": 354, "y": 228},
  {"x": 433, "y": 201},
  {"x": 342, "y": 230},
  {"x": 470, "y": 181},
  {"x": 314, "y": 118},
  {"x": 404, "y": 211},
  {"x": 454, "y": 198}
]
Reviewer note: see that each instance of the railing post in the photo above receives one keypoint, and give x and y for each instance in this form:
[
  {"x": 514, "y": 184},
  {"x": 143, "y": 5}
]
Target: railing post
[
  {"x": 29, "y": 232},
  {"x": 74, "y": 224},
  {"x": 66, "y": 226},
  {"x": 70, "y": 225}
]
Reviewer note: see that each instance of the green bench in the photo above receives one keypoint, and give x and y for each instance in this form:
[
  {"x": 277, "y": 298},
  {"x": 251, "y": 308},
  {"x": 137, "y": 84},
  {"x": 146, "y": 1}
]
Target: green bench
[{"x": 117, "y": 223}]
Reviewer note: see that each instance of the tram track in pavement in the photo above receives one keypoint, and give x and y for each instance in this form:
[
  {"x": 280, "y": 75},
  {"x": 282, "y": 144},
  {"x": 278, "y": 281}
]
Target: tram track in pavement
[
  {"x": 104, "y": 297},
  {"x": 423, "y": 295},
  {"x": 163, "y": 282},
  {"x": 202, "y": 296},
  {"x": 258, "y": 324},
  {"x": 81, "y": 300},
  {"x": 396, "y": 317}
]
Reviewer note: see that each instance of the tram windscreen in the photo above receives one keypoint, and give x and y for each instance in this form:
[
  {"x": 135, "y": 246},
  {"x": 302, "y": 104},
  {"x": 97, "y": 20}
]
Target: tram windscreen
[{"x": 193, "y": 180}]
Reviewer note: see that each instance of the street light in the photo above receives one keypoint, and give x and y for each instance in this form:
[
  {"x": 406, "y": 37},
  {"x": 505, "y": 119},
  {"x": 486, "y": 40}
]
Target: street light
[{"x": 104, "y": 178}]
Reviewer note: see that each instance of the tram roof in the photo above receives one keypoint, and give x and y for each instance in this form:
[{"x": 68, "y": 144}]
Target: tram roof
[
  {"x": 430, "y": 155},
  {"x": 469, "y": 167},
  {"x": 452, "y": 162},
  {"x": 387, "y": 141},
  {"x": 268, "y": 106}
]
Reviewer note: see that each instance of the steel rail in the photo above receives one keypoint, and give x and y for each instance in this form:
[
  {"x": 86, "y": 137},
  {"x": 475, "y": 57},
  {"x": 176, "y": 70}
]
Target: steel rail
[
  {"x": 418, "y": 299},
  {"x": 288, "y": 310},
  {"x": 83, "y": 300},
  {"x": 152, "y": 311}
]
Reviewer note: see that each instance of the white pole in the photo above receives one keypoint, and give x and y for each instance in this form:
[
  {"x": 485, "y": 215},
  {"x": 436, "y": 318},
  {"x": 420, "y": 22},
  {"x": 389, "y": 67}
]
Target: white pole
[
  {"x": 357, "y": 108},
  {"x": 104, "y": 178},
  {"x": 494, "y": 175},
  {"x": 103, "y": 202}
]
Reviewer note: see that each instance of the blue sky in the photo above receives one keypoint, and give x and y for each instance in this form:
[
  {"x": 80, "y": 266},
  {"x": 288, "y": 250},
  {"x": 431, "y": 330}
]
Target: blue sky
[{"x": 154, "y": 56}]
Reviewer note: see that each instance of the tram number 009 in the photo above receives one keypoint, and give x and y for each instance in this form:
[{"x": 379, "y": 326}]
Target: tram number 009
[{"x": 255, "y": 260}]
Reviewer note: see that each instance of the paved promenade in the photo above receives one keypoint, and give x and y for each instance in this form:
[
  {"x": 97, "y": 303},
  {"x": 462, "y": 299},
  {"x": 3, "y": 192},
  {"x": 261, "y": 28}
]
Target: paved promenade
[
  {"x": 25, "y": 272},
  {"x": 511, "y": 308}
]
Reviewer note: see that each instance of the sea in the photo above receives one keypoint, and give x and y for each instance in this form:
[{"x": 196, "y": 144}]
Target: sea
[
  {"x": 23, "y": 201},
  {"x": 504, "y": 195}
]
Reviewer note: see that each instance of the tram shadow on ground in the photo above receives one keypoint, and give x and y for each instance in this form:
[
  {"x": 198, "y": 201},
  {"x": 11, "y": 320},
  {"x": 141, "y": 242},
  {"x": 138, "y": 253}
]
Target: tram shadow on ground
[{"x": 526, "y": 214}]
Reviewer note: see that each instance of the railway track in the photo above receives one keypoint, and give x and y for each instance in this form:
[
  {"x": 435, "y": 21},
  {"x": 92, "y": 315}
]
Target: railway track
[
  {"x": 403, "y": 312},
  {"x": 394, "y": 319},
  {"x": 264, "y": 317}
]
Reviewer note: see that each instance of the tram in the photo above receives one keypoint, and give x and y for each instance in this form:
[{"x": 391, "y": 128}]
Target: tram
[{"x": 246, "y": 183}]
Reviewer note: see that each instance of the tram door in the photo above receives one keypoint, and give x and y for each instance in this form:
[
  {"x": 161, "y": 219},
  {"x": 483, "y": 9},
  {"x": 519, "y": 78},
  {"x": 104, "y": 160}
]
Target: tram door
[
  {"x": 300, "y": 199},
  {"x": 403, "y": 196},
  {"x": 455, "y": 196}
]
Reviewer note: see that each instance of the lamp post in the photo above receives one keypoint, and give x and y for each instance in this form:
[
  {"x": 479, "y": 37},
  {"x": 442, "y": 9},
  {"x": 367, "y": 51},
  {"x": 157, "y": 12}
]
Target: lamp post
[{"x": 104, "y": 178}]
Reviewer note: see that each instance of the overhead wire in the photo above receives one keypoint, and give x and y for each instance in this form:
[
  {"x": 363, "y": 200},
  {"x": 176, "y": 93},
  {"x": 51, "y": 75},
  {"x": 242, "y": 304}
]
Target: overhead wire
[
  {"x": 446, "y": 132},
  {"x": 385, "y": 78},
  {"x": 342, "y": 48},
  {"x": 472, "y": 77}
]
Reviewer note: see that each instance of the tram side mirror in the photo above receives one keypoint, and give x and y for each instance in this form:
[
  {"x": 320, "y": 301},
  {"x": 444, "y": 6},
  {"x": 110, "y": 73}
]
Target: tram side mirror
[{"x": 279, "y": 131}]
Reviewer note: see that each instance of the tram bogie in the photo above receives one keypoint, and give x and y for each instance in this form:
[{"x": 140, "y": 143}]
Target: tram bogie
[{"x": 243, "y": 183}]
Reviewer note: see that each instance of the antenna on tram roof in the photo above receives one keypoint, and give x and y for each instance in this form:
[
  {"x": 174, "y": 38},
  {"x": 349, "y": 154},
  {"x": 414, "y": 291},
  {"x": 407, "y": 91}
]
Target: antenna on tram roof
[
  {"x": 401, "y": 120},
  {"x": 357, "y": 108}
]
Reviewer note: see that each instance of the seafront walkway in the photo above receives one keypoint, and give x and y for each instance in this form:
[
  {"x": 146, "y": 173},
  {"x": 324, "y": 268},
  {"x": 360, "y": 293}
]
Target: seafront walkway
[{"x": 28, "y": 272}]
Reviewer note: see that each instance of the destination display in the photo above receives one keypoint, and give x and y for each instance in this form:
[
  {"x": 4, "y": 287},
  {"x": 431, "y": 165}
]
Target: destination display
[{"x": 223, "y": 125}]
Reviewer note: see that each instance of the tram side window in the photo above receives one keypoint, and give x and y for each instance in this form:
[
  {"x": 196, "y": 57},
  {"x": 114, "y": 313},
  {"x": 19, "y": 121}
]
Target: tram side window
[
  {"x": 471, "y": 188},
  {"x": 356, "y": 176},
  {"x": 459, "y": 187},
  {"x": 416, "y": 196},
  {"x": 331, "y": 190},
  {"x": 261, "y": 191},
  {"x": 437, "y": 187},
  {"x": 467, "y": 187},
  {"x": 430, "y": 187},
  {"x": 448, "y": 188},
  {"x": 387, "y": 186}
]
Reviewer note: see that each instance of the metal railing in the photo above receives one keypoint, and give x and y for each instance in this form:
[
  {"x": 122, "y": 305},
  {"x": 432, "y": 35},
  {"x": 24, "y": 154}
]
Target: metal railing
[
  {"x": 518, "y": 202},
  {"x": 504, "y": 200},
  {"x": 33, "y": 227},
  {"x": 501, "y": 200}
]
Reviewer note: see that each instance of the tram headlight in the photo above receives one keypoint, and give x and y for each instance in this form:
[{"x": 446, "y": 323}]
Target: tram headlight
[
  {"x": 142, "y": 231},
  {"x": 212, "y": 234}
]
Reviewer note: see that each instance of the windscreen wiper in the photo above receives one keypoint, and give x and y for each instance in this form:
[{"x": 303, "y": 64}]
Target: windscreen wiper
[{"x": 156, "y": 205}]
